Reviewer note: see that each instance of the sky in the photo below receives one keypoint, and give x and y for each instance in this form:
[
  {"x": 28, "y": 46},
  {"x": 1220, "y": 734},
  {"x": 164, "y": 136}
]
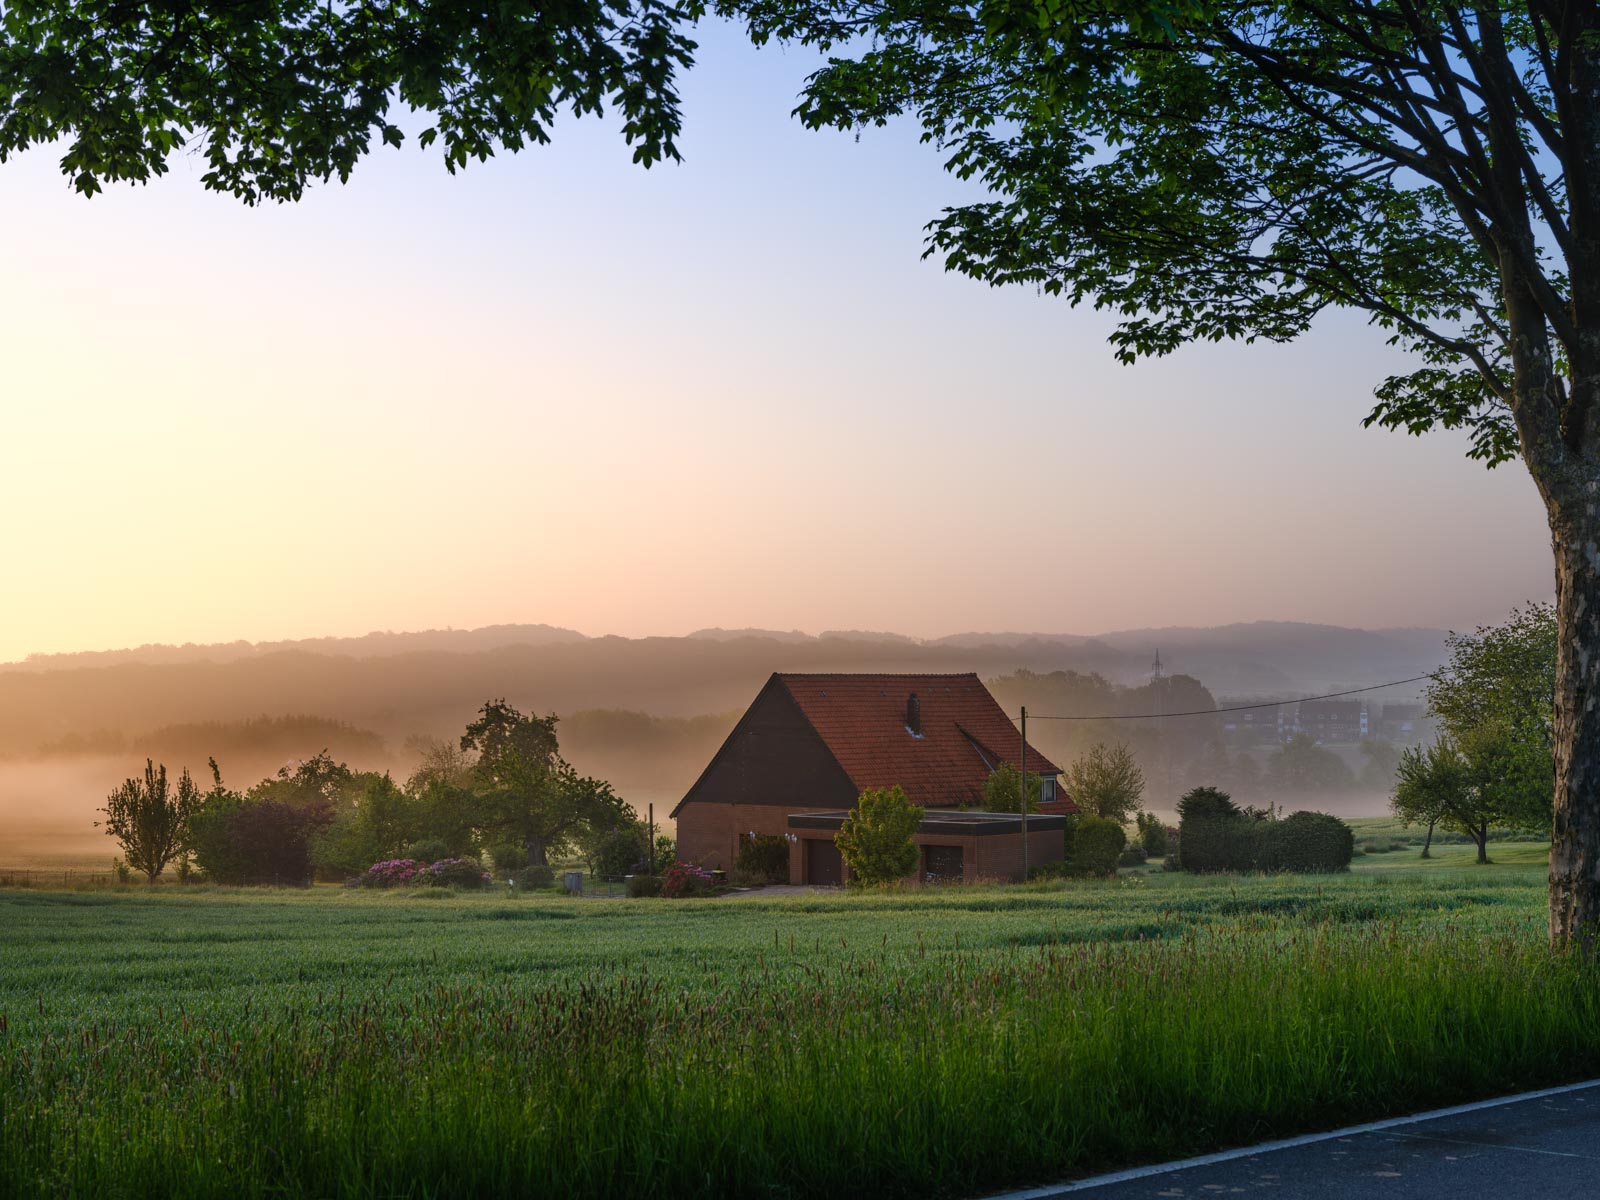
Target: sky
[{"x": 560, "y": 388}]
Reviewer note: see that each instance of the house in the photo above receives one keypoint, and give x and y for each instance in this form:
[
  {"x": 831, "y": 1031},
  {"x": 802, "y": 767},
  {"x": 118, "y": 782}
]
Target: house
[
  {"x": 809, "y": 745},
  {"x": 1333, "y": 720},
  {"x": 1264, "y": 725}
]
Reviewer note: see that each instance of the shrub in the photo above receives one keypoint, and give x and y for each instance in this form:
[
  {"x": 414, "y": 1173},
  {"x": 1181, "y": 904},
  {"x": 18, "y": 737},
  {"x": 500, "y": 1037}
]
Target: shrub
[
  {"x": 1152, "y": 834},
  {"x": 644, "y": 885},
  {"x": 508, "y": 858},
  {"x": 457, "y": 872},
  {"x": 393, "y": 872},
  {"x": 1097, "y": 846},
  {"x": 765, "y": 855},
  {"x": 1051, "y": 870},
  {"x": 1205, "y": 802},
  {"x": 875, "y": 839},
  {"x": 666, "y": 850},
  {"x": 683, "y": 880},
  {"x": 1069, "y": 835},
  {"x": 540, "y": 875},
  {"x": 238, "y": 841},
  {"x": 617, "y": 852},
  {"x": 1133, "y": 856},
  {"x": 427, "y": 850},
  {"x": 1304, "y": 841},
  {"x": 1217, "y": 843},
  {"x": 1310, "y": 841}
]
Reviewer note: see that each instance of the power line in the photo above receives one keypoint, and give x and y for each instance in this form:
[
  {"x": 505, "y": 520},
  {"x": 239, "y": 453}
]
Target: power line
[{"x": 1206, "y": 712}]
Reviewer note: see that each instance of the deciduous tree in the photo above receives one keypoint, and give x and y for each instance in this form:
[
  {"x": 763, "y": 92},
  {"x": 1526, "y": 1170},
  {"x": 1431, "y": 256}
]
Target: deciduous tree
[
  {"x": 521, "y": 786},
  {"x": 1502, "y": 676},
  {"x": 275, "y": 94},
  {"x": 150, "y": 820},
  {"x": 1002, "y": 791},
  {"x": 1106, "y": 782},
  {"x": 1212, "y": 170},
  {"x": 1490, "y": 780}
]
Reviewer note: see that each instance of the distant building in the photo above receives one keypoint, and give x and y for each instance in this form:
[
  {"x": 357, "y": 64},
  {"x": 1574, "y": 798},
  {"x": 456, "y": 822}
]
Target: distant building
[
  {"x": 1257, "y": 726},
  {"x": 1333, "y": 720}
]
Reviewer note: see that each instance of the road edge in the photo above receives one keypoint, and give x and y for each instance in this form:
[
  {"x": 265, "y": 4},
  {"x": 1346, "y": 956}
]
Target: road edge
[{"x": 1047, "y": 1191}]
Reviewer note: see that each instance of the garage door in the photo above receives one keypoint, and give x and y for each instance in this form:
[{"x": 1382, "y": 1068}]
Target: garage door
[
  {"x": 943, "y": 864},
  {"x": 823, "y": 864}
]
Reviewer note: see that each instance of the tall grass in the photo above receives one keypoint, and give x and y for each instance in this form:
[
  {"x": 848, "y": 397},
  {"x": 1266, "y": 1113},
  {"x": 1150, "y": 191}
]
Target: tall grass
[{"x": 757, "y": 1061}]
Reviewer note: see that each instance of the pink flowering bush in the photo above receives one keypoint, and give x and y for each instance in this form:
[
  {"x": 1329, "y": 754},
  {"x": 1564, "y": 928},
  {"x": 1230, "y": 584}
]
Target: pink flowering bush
[
  {"x": 457, "y": 872},
  {"x": 685, "y": 879},
  {"x": 408, "y": 872},
  {"x": 393, "y": 872}
]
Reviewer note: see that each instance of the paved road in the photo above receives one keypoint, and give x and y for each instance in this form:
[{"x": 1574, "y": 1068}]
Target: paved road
[{"x": 1544, "y": 1145}]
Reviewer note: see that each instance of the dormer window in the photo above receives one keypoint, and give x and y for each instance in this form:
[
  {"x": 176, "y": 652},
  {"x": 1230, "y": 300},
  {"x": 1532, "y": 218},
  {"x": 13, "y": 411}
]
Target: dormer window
[{"x": 913, "y": 715}]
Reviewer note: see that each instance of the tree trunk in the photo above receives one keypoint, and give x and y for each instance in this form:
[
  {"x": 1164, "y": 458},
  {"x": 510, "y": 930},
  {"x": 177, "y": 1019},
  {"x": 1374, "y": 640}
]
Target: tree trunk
[
  {"x": 1566, "y": 467},
  {"x": 536, "y": 851},
  {"x": 1575, "y": 837},
  {"x": 1481, "y": 836},
  {"x": 1427, "y": 842}
]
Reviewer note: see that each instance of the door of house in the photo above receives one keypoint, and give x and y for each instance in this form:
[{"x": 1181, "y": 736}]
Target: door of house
[
  {"x": 942, "y": 864},
  {"x": 824, "y": 866}
]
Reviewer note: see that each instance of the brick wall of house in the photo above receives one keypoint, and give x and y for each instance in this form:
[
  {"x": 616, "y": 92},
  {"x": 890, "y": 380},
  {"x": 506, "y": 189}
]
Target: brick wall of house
[
  {"x": 708, "y": 834},
  {"x": 1000, "y": 857}
]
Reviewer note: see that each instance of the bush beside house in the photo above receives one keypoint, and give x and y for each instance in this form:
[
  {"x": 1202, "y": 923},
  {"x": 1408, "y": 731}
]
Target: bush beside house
[
  {"x": 763, "y": 855},
  {"x": 875, "y": 840}
]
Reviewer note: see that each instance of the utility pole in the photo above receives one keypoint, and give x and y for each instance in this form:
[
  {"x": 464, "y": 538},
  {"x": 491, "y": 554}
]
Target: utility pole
[
  {"x": 1022, "y": 790},
  {"x": 1158, "y": 685}
]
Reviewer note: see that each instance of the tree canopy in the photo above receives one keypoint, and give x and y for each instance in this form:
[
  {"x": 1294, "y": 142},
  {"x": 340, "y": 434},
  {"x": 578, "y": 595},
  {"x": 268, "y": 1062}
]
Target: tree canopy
[
  {"x": 1501, "y": 675},
  {"x": 150, "y": 820},
  {"x": 274, "y": 94},
  {"x": 520, "y": 787},
  {"x": 1216, "y": 170},
  {"x": 875, "y": 840},
  {"x": 1106, "y": 782},
  {"x": 1227, "y": 169},
  {"x": 1486, "y": 781},
  {"x": 1492, "y": 764},
  {"x": 1002, "y": 791}
]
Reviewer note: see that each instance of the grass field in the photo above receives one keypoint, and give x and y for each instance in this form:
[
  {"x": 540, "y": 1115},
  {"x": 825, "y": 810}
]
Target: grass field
[{"x": 240, "y": 1043}]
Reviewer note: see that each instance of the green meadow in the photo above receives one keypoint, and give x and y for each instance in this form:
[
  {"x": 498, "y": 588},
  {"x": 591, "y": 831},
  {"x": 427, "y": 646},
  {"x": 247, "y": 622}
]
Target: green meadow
[{"x": 193, "y": 1042}]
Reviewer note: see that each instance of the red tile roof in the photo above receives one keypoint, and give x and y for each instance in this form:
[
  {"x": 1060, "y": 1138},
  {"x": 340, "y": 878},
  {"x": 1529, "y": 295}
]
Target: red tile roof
[{"x": 965, "y": 733}]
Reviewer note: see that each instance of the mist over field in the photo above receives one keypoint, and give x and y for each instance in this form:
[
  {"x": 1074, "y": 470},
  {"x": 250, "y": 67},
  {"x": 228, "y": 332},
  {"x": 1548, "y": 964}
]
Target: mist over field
[{"x": 645, "y": 714}]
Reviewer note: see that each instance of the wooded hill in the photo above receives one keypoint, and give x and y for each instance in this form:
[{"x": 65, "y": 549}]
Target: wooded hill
[{"x": 410, "y": 685}]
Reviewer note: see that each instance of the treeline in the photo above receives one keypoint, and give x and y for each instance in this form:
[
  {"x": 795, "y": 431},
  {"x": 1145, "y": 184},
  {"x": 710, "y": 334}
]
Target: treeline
[
  {"x": 502, "y": 789},
  {"x": 258, "y": 737},
  {"x": 1190, "y": 751}
]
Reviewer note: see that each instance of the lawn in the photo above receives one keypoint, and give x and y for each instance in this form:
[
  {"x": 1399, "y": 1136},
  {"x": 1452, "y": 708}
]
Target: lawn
[{"x": 328, "y": 1042}]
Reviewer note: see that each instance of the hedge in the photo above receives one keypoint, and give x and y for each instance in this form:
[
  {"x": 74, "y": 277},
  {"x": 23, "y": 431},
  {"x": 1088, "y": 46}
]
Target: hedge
[
  {"x": 1303, "y": 841},
  {"x": 1310, "y": 841}
]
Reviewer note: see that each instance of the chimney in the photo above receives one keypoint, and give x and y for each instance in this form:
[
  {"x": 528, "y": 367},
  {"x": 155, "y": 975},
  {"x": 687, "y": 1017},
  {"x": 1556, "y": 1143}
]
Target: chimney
[{"x": 914, "y": 715}]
